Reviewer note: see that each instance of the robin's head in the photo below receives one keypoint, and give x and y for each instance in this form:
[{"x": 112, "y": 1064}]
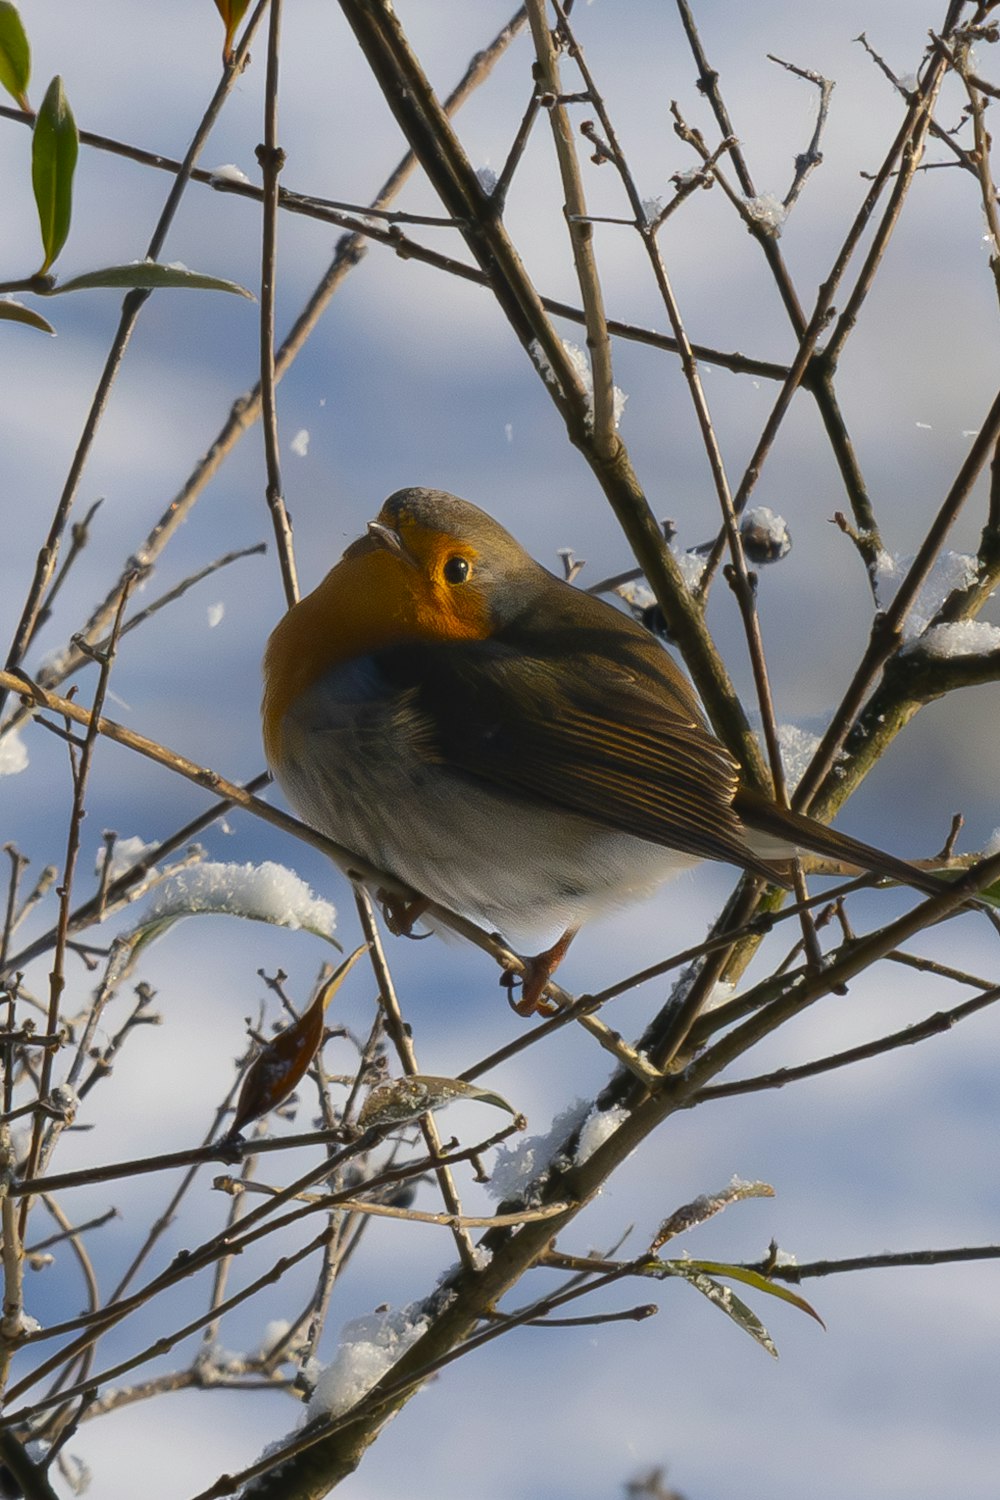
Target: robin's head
[
  {"x": 430, "y": 568},
  {"x": 462, "y": 574}
]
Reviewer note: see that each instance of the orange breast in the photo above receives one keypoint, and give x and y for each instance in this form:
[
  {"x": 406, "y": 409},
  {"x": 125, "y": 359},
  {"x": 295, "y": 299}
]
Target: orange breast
[{"x": 372, "y": 599}]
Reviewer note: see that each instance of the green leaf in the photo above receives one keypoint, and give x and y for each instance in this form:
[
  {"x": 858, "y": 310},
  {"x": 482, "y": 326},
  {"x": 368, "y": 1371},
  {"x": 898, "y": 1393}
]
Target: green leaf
[
  {"x": 232, "y": 12},
  {"x": 53, "y": 161},
  {"x": 726, "y": 1300},
  {"x": 404, "y": 1099},
  {"x": 759, "y": 1282},
  {"x": 991, "y": 894},
  {"x": 701, "y": 1275},
  {"x": 15, "y": 54},
  {"x": 13, "y": 312},
  {"x": 149, "y": 275}
]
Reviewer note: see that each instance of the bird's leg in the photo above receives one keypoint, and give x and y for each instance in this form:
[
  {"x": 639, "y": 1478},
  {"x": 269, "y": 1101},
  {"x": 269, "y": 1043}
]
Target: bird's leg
[
  {"x": 400, "y": 915},
  {"x": 535, "y": 976}
]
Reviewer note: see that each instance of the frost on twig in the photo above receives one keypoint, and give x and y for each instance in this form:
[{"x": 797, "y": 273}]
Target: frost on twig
[{"x": 581, "y": 366}]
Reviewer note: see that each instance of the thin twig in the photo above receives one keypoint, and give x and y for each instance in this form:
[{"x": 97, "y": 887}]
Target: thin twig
[
  {"x": 18, "y": 863},
  {"x": 886, "y": 634},
  {"x": 271, "y": 159},
  {"x": 399, "y": 1034},
  {"x": 935, "y": 1025},
  {"x": 131, "y": 306},
  {"x": 885, "y": 1260},
  {"x": 57, "y": 978},
  {"x": 808, "y": 160},
  {"x": 580, "y": 231},
  {"x": 246, "y": 408}
]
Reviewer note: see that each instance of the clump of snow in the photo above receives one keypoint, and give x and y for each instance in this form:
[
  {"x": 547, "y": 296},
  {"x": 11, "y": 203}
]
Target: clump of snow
[
  {"x": 692, "y": 566},
  {"x": 598, "y": 1127},
  {"x": 368, "y": 1348},
  {"x": 951, "y": 571},
  {"x": 300, "y": 443},
  {"x": 541, "y": 360},
  {"x": 785, "y": 1258},
  {"x": 526, "y": 1162},
  {"x": 215, "y": 614},
  {"x": 720, "y": 994},
  {"x": 652, "y": 208},
  {"x": 228, "y": 173},
  {"x": 640, "y": 597},
  {"x": 992, "y": 845},
  {"x": 769, "y": 212},
  {"x": 738, "y": 1184},
  {"x": 64, "y": 1100},
  {"x": 798, "y": 747},
  {"x": 766, "y": 537},
  {"x": 126, "y": 853},
  {"x": 637, "y": 595},
  {"x": 581, "y": 367},
  {"x": 274, "y": 1333},
  {"x": 13, "y": 755},
  {"x": 216, "y": 1363},
  {"x": 268, "y": 892},
  {"x": 959, "y": 638},
  {"x": 487, "y": 179}
]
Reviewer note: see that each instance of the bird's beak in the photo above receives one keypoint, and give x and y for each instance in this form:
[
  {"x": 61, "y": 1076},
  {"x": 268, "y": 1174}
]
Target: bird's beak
[{"x": 384, "y": 536}]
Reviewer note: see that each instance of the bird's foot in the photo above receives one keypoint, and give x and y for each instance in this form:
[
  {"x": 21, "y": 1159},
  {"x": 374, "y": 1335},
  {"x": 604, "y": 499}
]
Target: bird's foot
[
  {"x": 400, "y": 916},
  {"x": 532, "y": 1001},
  {"x": 533, "y": 978}
]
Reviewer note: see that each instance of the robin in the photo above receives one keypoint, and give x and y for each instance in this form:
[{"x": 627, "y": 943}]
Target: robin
[{"x": 505, "y": 744}]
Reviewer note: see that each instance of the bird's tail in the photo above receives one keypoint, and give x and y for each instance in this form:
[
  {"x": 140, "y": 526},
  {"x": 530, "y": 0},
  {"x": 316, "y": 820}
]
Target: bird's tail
[{"x": 795, "y": 830}]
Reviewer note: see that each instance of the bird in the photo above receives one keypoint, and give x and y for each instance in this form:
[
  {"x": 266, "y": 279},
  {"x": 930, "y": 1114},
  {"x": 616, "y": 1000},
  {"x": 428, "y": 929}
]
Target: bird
[{"x": 504, "y": 743}]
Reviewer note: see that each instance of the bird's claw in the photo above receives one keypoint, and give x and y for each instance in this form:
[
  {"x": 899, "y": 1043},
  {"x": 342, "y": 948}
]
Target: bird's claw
[
  {"x": 532, "y": 978},
  {"x": 400, "y": 916}
]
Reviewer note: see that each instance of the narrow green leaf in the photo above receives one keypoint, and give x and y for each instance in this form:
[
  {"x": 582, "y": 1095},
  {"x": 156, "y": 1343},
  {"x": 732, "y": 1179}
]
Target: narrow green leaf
[
  {"x": 15, "y": 54},
  {"x": 150, "y": 275},
  {"x": 13, "y": 312},
  {"x": 53, "y": 162},
  {"x": 722, "y": 1297},
  {"x": 991, "y": 894},
  {"x": 759, "y": 1283},
  {"x": 232, "y": 12}
]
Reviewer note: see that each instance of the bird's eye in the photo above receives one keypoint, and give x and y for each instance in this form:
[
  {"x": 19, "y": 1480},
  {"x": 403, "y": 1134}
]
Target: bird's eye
[{"x": 456, "y": 570}]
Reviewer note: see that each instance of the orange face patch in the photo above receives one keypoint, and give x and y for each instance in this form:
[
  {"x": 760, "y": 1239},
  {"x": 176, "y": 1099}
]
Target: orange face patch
[{"x": 373, "y": 598}]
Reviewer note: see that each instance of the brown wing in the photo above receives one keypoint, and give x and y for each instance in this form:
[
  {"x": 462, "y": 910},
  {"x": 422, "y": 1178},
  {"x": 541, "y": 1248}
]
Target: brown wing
[{"x": 595, "y": 725}]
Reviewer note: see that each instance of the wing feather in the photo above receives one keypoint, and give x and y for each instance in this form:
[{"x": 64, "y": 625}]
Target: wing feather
[{"x": 617, "y": 738}]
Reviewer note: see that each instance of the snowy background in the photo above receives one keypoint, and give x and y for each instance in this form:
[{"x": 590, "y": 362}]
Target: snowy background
[{"x": 413, "y": 378}]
